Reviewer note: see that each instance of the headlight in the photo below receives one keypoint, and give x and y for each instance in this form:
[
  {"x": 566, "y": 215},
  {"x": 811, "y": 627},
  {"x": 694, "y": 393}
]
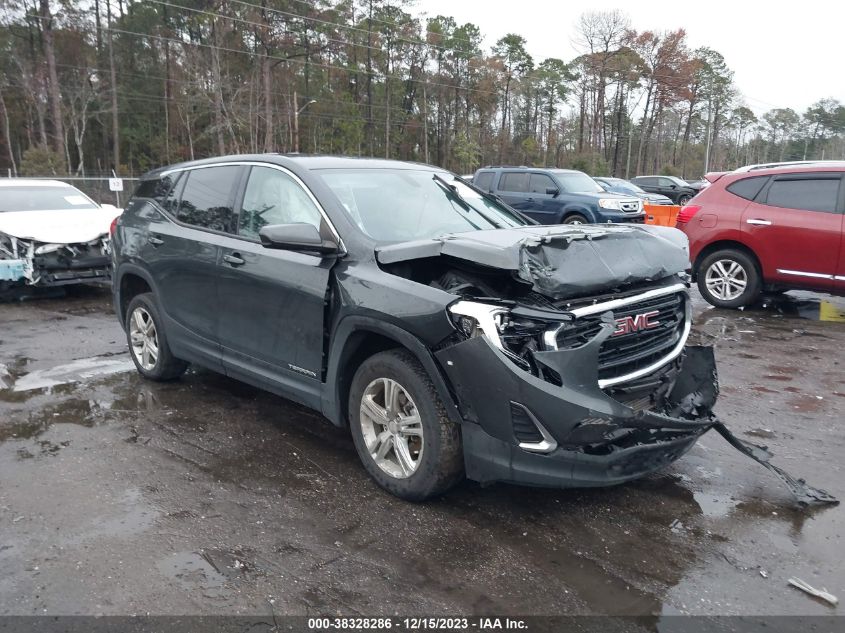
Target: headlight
[
  {"x": 477, "y": 319},
  {"x": 609, "y": 203}
]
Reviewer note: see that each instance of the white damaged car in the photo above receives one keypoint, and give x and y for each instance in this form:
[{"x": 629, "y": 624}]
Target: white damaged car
[{"x": 52, "y": 234}]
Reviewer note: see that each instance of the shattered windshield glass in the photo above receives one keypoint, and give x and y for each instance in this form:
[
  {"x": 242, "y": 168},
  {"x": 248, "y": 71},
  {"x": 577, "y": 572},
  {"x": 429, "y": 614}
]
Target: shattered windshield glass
[
  {"x": 34, "y": 198},
  {"x": 396, "y": 205}
]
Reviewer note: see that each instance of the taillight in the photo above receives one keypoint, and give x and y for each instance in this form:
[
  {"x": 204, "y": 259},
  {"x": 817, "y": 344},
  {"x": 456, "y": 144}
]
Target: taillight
[
  {"x": 113, "y": 226},
  {"x": 686, "y": 213}
]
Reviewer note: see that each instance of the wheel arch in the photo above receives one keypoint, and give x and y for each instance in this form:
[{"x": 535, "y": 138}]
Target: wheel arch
[
  {"x": 580, "y": 210},
  {"x": 724, "y": 245},
  {"x": 130, "y": 281},
  {"x": 359, "y": 338}
]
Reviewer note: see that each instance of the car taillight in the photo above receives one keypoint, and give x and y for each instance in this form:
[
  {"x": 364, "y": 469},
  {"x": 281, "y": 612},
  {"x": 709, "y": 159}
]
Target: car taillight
[
  {"x": 686, "y": 213},
  {"x": 113, "y": 226}
]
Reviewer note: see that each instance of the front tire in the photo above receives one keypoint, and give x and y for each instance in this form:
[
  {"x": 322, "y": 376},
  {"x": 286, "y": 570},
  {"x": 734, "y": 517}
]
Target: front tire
[
  {"x": 729, "y": 279},
  {"x": 683, "y": 200},
  {"x": 148, "y": 345},
  {"x": 575, "y": 218},
  {"x": 401, "y": 431}
]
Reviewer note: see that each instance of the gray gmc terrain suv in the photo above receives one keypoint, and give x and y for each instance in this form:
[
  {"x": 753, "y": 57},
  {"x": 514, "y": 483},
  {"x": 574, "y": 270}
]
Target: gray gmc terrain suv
[{"x": 451, "y": 334}]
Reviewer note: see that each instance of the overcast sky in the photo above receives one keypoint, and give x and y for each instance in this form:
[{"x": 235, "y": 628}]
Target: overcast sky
[{"x": 783, "y": 55}]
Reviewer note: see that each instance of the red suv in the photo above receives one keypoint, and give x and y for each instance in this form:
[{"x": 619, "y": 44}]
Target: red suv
[{"x": 768, "y": 227}]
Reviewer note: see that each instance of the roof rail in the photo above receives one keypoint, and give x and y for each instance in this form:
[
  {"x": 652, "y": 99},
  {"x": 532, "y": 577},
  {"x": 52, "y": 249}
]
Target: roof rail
[
  {"x": 789, "y": 163},
  {"x": 510, "y": 167}
]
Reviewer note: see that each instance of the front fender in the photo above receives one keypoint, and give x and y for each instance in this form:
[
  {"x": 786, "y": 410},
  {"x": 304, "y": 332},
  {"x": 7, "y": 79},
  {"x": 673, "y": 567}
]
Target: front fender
[{"x": 343, "y": 348}]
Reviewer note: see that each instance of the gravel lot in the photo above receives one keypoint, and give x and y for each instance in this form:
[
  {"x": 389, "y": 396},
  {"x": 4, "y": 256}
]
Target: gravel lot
[{"x": 204, "y": 496}]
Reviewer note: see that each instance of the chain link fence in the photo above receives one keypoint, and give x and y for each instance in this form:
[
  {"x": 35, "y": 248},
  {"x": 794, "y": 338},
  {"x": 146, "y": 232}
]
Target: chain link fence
[{"x": 97, "y": 188}]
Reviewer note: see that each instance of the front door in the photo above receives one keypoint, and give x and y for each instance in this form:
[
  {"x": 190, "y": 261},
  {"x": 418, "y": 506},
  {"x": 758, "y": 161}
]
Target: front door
[
  {"x": 795, "y": 228},
  {"x": 272, "y": 302}
]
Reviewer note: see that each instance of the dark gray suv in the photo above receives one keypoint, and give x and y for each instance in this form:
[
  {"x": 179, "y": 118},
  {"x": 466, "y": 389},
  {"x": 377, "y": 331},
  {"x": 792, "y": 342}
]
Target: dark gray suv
[{"x": 450, "y": 334}]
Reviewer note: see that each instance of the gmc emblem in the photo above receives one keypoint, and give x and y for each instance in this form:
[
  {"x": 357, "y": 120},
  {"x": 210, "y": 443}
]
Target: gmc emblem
[{"x": 636, "y": 323}]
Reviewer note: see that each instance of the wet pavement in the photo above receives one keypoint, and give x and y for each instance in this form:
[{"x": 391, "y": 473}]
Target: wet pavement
[{"x": 121, "y": 496}]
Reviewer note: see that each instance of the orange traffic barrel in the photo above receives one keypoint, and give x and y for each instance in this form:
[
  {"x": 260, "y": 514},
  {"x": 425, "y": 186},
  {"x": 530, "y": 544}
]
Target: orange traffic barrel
[{"x": 661, "y": 214}]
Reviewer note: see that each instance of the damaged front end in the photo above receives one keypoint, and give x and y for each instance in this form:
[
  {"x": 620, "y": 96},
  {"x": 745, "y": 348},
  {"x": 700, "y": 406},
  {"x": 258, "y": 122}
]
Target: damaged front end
[
  {"x": 570, "y": 361},
  {"x": 25, "y": 262}
]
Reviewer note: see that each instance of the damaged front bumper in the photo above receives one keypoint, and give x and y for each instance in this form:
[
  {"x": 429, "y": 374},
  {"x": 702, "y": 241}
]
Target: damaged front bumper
[
  {"x": 26, "y": 262},
  {"x": 521, "y": 429},
  {"x": 526, "y": 430}
]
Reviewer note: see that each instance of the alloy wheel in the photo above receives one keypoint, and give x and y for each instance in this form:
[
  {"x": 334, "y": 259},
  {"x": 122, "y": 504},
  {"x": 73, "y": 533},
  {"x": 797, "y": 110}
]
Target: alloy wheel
[
  {"x": 726, "y": 279},
  {"x": 144, "y": 338},
  {"x": 392, "y": 428}
]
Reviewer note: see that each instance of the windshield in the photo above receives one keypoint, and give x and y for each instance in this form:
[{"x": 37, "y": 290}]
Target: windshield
[
  {"x": 397, "y": 205},
  {"x": 47, "y": 198},
  {"x": 577, "y": 182}
]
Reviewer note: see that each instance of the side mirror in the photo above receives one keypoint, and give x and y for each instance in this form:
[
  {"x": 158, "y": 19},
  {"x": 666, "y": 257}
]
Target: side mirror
[
  {"x": 552, "y": 191},
  {"x": 296, "y": 237},
  {"x": 673, "y": 186}
]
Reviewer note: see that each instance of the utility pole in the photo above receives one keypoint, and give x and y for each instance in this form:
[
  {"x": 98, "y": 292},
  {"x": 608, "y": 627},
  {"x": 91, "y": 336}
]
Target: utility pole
[
  {"x": 296, "y": 120},
  {"x": 709, "y": 129}
]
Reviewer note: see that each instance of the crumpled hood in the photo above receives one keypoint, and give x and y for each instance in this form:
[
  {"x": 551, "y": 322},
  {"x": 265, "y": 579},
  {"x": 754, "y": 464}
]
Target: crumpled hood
[
  {"x": 63, "y": 226},
  {"x": 562, "y": 261}
]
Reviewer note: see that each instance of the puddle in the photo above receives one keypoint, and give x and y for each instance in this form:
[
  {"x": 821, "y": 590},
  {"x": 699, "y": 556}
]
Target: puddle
[
  {"x": 73, "y": 372},
  {"x": 192, "y": 571},
  {"x": 814, "y": 309},
  {"x": 714, "y": 505}
]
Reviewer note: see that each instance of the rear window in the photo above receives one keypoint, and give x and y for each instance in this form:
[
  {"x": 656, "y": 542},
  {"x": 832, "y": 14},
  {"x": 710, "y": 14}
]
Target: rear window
[
  {"x": 748, "y": 188},
  {"x": 516, "y": 181},
  {"x": 809, "y": 194},
  {"x": 207, "y": 198},
  {"x": 483, "y": 180}
]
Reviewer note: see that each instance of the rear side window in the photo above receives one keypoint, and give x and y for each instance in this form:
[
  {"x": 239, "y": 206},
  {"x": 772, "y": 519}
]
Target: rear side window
[
  {"x": 539, "y": 183},
  {"x": 516, "y": 181},
  {"x": 748, "y": 188},
  {"x": 207, "y": 198},
  {"x": 648, "y": 182},
  {"x": 484, "y": 180},
  {"x": 810, "y": 194}
]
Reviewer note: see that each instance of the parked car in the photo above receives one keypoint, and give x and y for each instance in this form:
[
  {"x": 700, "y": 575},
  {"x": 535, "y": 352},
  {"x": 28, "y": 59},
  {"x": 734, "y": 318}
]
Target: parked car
[
  {"x": 697, "y": 183},
  {"x": 447, "y": 332},
  {"x": 679, "y": 191},
  {"x": 767, "y": 228},
  {"x": 52, "y": 234},
  {"x": 558, "y": 196},
  {"x": 619, "y": 185}
]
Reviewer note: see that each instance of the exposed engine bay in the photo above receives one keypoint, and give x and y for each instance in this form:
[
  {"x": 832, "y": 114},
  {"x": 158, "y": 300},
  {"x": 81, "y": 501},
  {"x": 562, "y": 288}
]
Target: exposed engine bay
[{"x": 33, "y": 263}]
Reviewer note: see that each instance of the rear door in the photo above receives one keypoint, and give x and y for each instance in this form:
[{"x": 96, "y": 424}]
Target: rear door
[
  {"x": 181, "y": 252},
  {"x": 272, "y": 302},
  {"x": 514, "y": 190},
  {"x": 795, "y": 227},
  {"x": 647, "y": 184}
]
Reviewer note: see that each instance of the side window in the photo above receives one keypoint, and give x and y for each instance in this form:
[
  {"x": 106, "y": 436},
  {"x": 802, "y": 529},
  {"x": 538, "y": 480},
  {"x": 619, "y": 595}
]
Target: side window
[
  {"x": 516, "y": 181},
  {"x": 664, "y": 182},
  {"x": 484, "y": 180},
  {"x": 747, "y": 188},
  {"x": 158, "y": 189},
  {"x": 170, "y": 198},
  {"x": 810, "y": 194},
  {"x": 645, "y": 182},
  {"x": 539, "y": 183},
  {"x": 207, "y": 197},
  {"x": 273, "y": 197}
]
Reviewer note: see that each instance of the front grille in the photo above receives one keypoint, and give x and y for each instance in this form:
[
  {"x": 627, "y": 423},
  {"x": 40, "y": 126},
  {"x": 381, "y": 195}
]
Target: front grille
[{"x": 626, "y": 353}]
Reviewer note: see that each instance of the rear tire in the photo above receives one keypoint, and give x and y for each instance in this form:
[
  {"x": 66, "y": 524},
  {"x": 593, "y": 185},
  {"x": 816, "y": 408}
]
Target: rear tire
[
  {"x": 410, "y": 447},
  {"x": 575, "y": 218},
  {"x": 684, "y": 199},
  {"x": 729, "y": 279},
  {"x": 148, "y": 345}
]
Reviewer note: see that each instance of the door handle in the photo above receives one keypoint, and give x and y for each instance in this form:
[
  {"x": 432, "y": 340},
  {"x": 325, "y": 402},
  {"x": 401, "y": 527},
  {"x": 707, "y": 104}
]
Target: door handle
[
  {"x": 155, "y": 241},
  {"x": 759, "y": 222},
  {"x": 234, "y": 259}
]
